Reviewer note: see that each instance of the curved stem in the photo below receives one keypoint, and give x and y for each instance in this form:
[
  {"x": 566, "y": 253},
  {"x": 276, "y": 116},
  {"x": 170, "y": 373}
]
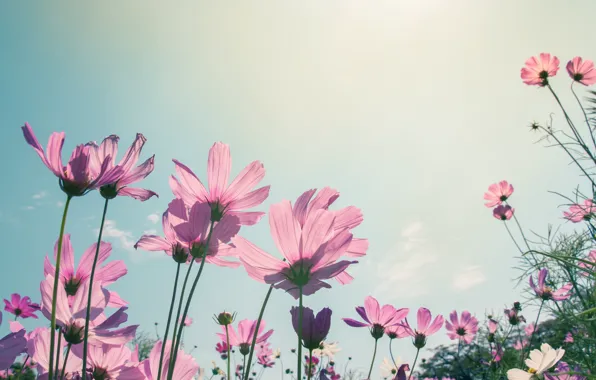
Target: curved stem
[
  {"x": 585, "y": 115},
  {"x": 55, "y": 290},
  {"x": 254, "y": 336},
  {"x": 163, "y": 346},
  {"x": 178, "y": 317},
  {"x": 535, "y": 327},
  {"x": 228, "y": 344},
  {"x": 414, "y": 365},
  {"x": 65, "y": 359},
  {"x": 391, "y": 353},
  {"x": 300, "y": 316},
  {"x": 372, "y": 362}
]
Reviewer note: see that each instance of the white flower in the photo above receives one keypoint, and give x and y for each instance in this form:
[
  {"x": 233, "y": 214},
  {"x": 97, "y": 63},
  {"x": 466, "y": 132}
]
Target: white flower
[
  {"x": 326, "y": 349},
  {"x": 388, "y": 369},
  {"x": 538, "y": 363}
]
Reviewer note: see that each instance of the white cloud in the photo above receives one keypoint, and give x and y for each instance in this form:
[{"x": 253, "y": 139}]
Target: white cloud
[
  {"x": 125, "y": 238},
  {"x": 153, "y": 218},
  {"x": 150, "y": 232},
  {"x": 29, "y": 208},
  {"x": 60, "y": 204},
  {"x": 40, "y": 195},
  {"x": 468, "y": 278}
]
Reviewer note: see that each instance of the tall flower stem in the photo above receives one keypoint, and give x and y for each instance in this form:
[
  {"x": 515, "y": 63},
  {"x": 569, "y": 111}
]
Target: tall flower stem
[
  {"x": 310, "y": 363},
  {"x": 55, "y": 291},
  {"x": 299, "y": 369},
  {"x": 178, "y": 313},
  {"x": 372, "y": 362},
  {"x": 391, "y": 352},
  {"x": 65, "y": 359},
  {"x": 58, "y": 355},
  {"x": 243, "y": 365},
  {"x": 163, "y": 346},
  {"x": 190, "y": 294},
  {"x": 228, "y": 344},
  {"x": 585, "y": 115},
  {"x": 88, "y": 316},
  {"x": 535, "y": 328},
  {"x": 255, "y": 334},
  {"x": 414, "y": 365}
]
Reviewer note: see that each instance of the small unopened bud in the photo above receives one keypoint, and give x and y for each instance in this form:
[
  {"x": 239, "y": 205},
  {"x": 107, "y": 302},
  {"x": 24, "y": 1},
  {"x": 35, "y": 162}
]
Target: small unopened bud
[
  {"x": 74, "y": 334},
  {"x": 517, "y": 306},
  {"x": 225, "y": 318},
  {"x": 491, "y": 337},
  {"x": 419, "y": 341}
]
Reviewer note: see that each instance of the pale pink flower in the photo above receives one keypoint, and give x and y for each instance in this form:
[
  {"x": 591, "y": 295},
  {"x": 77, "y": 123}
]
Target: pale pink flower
[
  {"x": 186, "y": 368},
  {"x": 589, "y": 267},
  {"x": 520, "y": 344},
  {"x": 529, "y": 329},
  {"x": 265, "y": 361},
  {"x": 169, "y": 244},
  {"x": 578, "y": 213},
  {"x": 38, "y": 348},
  {"x": 11, "y": 346},
  {"x": 377, "y": 318},
  {"x": 582, "y": 71},
  {"x": 568, "y": 338},
  {"x": 246, "y": 330},
  {"x": 187, "y": 321},
  {"x": 127, "y": 173},
  {"x": 425, "y": 328},
  {"x": 21, "y": 306},
  {"x": 538, "y": 69},
  {"x": 223, "y": 198},
  {"x": 311, "y": 251},
  {"x": 464, "y": 328},
  {"x": 503, "y": 212},
  {"x": 110, "y": 362},
  {"x": 71, "y": 278},
  {"x": 497, "y": 354},
  {"x": 492, "y": 326},
  {"x": 498, "y": 193},
  {"x": 396, "y": 331},
  {"x": 547, "y": 293},
  {"x": 76, "y": 178}
]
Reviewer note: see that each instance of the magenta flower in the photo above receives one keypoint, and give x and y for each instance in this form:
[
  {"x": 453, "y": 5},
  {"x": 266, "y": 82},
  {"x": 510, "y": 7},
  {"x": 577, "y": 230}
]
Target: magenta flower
[
  {"x": 377, "y": 318},
  {"x": 498, "y": 193},
  {"x": 265, "y": 361},
  {"x": 497, "y": 353},
  {"x": 425, "y": 328},
  {"x": 221, "y": 348},
  {"x": 492, "y": 326},
  {"x": 246, "y": 330},
  {"x": 503, "y": 212},
  {"x": 589, "y": 267},
  {"x": 539, "y": 69},
  {"x": 582, "y": 71},
  {"x": 514, "y": 317},
  {"x": 314, "y": 329},
  {"x": 110, "y": 362},
  {"x": 76, "y": 178},
  {"x": 529, "y": 329},
  {"x": 568, "y": 338},
  {"x": 11, "y": 346},
  {"x": 396, "y": 331},
  {"x": 169, "y": 244},
  {"x": 21, "y": 307},
  {"x": 186, "y": 368},
  {"x": 223, "y": 199},
  {"x": 311, "y": 252},
  {"x": 71, "y": 278},
  {"x": 127, "y": 173},
  {"x": 578, "y": 213},
  {"x": 464, "y": 328},
  {"x": 547, "y": 293}
]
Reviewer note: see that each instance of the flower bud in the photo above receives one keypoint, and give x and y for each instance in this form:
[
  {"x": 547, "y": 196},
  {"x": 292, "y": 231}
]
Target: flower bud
[{"x": 225, "y": 318}]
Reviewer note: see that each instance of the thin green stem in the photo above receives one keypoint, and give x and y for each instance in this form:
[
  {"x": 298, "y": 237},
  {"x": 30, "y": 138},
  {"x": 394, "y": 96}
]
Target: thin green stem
[
  {"x": 535, "y": 328},
  {"x": 372, "y": 362},
  {"x": 309, "y": 364},
  {"x": 255, "y": 334},
  {"x": 228, "y": 344},
  {"x": 55, "y": 291},
  {"x": 178, "y": 316},
  {"x": 58, "y": 355},
  {"x": 91, "y": 277},
  {"x": 65, "y": 360},
  {"x": 163, "y": 346},
  {"x": 585, "y": 114},
  {"x": 391, "y": 353},
  {"x": 414, "y": 365},
  {"x": 243, "y": 366},
  {"x": 299, "y": 369}
]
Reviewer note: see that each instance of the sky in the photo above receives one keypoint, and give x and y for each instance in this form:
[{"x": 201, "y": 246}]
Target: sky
[{"x": 410, "y": 109}]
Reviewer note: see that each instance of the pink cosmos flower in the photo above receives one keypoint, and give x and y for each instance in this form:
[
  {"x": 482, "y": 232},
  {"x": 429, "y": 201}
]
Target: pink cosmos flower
[
  {"x": 425, "y": 327},
  {"x": 520, "y": 344},
  {"x": 503, "y": 212},
  {"x": 110, "y": 362},
  {"x": 529, "y": 329},
  {"x": 568, "y": 338},
  {"x": 263, "y": 349},
  {"x": 127, "y": 173},
  {"x": 545, "y": 292},
  {"x": 498, "y": 193},
  {"x": 582, "y": 71},
  {"x": 265, "y": 361},
  {"x": 246, "y": 330},
  {"x": 11, "y": 346},
  {"x": 169, "y": 244},
  {"x": 514, "y": 317},
  {"x": 71, "y": 278},
  {"x": 464, "y": 328},
  {"x": 492, "y": 326},
  {"x": 539, "y": 69},
  {"x": 221, "y": 347},
  {"x": 311, "y": 251},
  {"x": 578, "y": 213},
  {"x": 186, "y": 368},
  {"x": 21, "y": 307},
  {"x": 396, "y": 331},
  {"x": 76, "y": 178},
  {"x": 187, "y": 321},
  {"x": 224, "y": 199},
  {"x": 38, "y": 348},
  {"x": 589, "y": 267},
  {"x": 377, "y": 318}
]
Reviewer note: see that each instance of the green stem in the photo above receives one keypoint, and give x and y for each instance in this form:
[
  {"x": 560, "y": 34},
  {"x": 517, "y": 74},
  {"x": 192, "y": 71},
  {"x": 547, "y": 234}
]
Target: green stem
[
  {"x": 91, "y": 277},
  {"x": 55, "y": 291},
  {"x": 372, "y": 362},
  {"x": 585, "y": 115},
  {"x": 414, "y": 365},
  {"x": 58, "y": 355},
  {"x": 535, "y": 328},
  {"x": 254, "y": 336},
  {"x": 243, "y": 366},
  {"x": 65, "y": 359},
  {"x": 228, "y": 344},
  {"x": 163, "y": 346},
  {"x": 391, "y": 353},
  {"x": 309, "y": 363},
  {"x": 299, "y": 369}
]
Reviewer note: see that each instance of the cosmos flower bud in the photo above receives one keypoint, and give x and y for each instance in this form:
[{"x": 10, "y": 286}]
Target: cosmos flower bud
[
  {"x": 179, "y": 253},
  {"x": 109, "y": 191},
  {"x": 517, "y": 306},
  {"x": 377, "y": 331},
  {"x": 74, "y": 334},
  {"x": 419, "y": 341},
  {"x": 225, "y": 318},
  {"x": 491, "y": 337}
]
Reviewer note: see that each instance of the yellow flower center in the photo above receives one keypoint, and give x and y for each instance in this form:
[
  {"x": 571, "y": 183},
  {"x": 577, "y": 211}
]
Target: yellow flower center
[{"x": 532, "y": 370}]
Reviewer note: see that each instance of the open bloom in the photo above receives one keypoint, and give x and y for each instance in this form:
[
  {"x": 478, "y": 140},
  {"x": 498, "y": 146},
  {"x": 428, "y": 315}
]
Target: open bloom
[
  {"x": 187, "y": 321},
  {"x": 110, "y": 362},
  {"x": 221, "y": 348},
  {"x": 326, "y": 349},
  {"x": 186, "y": 368},
  {"x": 169, "y": 244},
  {"x": 311, "y": 251},
  {"x": 388, "y": 369},
  {"x": 547, "y": 293},
  {"x": 529, "y": 329},
  {"x": 582, "y": 71},
  {"x": 589, "y": 267},
  {"x": 503, "y": 212},
  {"x": 578, "y": 213},
  {"x": 223, "y": 199},
  {"x": 396, "y": 331},
  {"x": 498, "y": 193},
  {"x": 464, "y": 328},
  {"x": 425, "y": 328},
  {"x": 76, "y": 178},
  {"x": 538, "y": 69},
  {"x": 246, "y": 330},
  {"x": 38, "y": 348},
  {"x": 127, "y": 173},
  {"x": 71, "y": 278},
  {"x": 314, "y": 329},
  {"x": 377, "y": 318},
  {"x": 21, "y": 306},
  {"x": 492, "y": 326},
  {"x": 568, "y": 338},
  {"x": 520, "y": 344},
  {"x": 11, "y": 346},
  {"x": 539, "y": 362}
]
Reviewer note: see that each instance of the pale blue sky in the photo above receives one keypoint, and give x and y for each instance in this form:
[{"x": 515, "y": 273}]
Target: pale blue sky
[{"x": 409, "y": 108}]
